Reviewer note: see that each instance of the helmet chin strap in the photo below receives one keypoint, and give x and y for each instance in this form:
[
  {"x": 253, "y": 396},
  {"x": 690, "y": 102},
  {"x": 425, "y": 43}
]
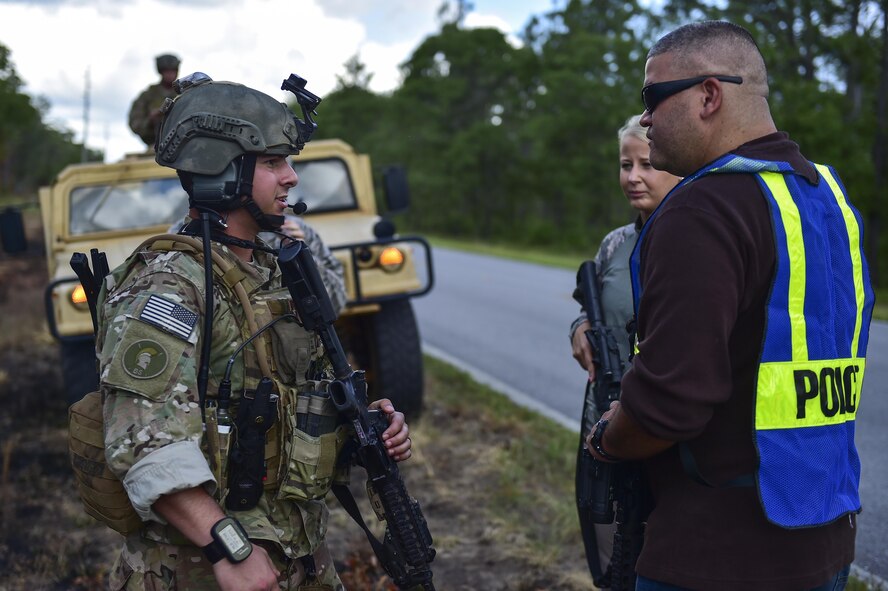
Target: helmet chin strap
[
  {"x": 245, "y": 188},
  {"x": 266, "y": 221}
]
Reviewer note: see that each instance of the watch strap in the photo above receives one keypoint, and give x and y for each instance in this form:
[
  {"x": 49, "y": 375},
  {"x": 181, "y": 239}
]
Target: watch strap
[
  {"x": 214, "y": 552},
  {"x": 597, "y": 444},
  {"x": 224, "y": 532}
]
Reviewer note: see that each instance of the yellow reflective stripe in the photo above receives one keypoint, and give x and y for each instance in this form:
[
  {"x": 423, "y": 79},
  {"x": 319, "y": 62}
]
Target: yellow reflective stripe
[
  {"x": 808, "y": 393},
  {"x": 854, "y": 243},
  {"x": 795, "y": 244}
]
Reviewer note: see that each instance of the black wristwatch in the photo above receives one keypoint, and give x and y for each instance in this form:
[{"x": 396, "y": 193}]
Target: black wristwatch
[
  {"x": 600, "y": 426},
  {"x": 229, "y": 541}
]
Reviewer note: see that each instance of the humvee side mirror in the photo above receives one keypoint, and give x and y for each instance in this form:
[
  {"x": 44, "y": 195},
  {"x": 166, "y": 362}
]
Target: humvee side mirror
[
  {"x": 12, "y": 231},
  {"x": 397, "y": 193}
]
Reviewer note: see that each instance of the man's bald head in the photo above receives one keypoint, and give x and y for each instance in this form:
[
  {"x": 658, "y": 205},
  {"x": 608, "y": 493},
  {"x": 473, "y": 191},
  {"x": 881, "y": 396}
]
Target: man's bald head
[
  {"x": 698, "y": 123},
  {"x": 716, "y": 47}
]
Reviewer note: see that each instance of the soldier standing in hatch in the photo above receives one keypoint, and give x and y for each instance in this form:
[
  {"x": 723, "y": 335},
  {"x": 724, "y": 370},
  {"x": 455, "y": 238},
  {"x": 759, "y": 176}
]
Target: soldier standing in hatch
[{"x": 145, "y": 113}]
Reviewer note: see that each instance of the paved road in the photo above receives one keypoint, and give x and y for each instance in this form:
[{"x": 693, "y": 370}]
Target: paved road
[{"x": 506, "y": 322}]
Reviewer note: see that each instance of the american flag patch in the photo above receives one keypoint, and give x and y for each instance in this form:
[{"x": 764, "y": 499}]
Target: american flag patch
[{"x": 169, "y": 316}]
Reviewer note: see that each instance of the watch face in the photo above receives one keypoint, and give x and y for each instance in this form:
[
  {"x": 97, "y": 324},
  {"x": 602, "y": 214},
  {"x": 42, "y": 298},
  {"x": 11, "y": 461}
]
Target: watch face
[{"x": 233, "y": 539}]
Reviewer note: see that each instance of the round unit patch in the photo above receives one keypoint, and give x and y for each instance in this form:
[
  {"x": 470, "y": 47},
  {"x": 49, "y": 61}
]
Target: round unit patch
[{"x": 145, "y": 359}]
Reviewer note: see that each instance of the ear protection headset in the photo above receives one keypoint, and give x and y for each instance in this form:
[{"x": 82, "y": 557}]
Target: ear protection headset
[{"x": 224, "y": 191}]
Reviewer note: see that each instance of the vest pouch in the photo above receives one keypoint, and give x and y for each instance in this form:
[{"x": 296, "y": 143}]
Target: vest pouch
[
  {"x": 316, "y": 438},
  {"x": 256, "y": 414},
  {"x": 292, "y": 346},
  {"x": 101, "y": 492},
  {"x": 217, "y": 439}
]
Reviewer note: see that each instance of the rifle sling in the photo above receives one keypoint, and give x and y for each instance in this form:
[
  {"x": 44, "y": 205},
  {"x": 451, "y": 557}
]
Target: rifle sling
[{"x": 347, "y": 500}]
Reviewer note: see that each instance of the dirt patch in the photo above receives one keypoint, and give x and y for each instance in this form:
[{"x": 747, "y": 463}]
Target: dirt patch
[{"x": 48, "y": 543}]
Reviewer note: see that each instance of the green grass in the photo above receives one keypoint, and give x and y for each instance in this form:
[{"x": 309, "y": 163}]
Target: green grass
[
  {"x": 530, "y": 457},
  {"x": 530, "y": 254},
  {"x": 19, "y": 201}
]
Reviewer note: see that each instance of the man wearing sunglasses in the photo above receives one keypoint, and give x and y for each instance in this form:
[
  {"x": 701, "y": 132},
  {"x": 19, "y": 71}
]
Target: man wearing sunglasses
[{"x": 753, "y": 303}]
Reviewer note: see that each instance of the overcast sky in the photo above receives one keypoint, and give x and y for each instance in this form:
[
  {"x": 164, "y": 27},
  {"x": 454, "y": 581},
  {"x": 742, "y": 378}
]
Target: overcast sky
[{"x": 255, "y": 42}]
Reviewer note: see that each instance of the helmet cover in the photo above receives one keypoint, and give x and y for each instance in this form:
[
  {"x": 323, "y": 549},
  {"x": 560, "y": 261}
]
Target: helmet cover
[{"x": 211, "y": 123}]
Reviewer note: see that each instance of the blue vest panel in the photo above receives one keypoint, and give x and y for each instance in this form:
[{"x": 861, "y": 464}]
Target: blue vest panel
[{"x": 813, "y": 356}]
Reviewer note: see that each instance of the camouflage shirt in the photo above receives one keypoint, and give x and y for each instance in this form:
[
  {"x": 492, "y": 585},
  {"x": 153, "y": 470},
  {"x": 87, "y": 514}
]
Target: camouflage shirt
[
  {"x": 150, "y": 100},
  {"x": 150, "y": 323}
]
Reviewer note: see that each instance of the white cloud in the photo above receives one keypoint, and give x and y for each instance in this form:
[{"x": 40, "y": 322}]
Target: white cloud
[{"x": 255, "y": 42}]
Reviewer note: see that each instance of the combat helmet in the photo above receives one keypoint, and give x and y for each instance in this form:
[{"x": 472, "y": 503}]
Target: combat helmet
[
  {"x": 213, "y": 131},
  {"x": 211, "y": 123}
]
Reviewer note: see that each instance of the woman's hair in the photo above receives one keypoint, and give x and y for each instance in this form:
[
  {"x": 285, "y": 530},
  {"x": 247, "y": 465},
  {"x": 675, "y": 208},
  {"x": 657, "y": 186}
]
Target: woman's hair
[{"x": 633, "y": 127}]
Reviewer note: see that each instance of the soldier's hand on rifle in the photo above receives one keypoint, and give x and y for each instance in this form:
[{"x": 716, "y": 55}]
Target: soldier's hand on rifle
[
  {"x": 605, "y": 419},
  {"x": 582, "y": 351},
  {"x": 397, "y": 441}
]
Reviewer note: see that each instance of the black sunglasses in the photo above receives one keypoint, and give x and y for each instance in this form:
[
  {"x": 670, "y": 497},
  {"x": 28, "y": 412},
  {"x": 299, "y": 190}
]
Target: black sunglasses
[{"x": 654, "y": 94}]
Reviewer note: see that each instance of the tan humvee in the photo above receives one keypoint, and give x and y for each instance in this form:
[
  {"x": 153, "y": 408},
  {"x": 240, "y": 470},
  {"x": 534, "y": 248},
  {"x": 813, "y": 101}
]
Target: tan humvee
[{"x": 114, "y": 207}]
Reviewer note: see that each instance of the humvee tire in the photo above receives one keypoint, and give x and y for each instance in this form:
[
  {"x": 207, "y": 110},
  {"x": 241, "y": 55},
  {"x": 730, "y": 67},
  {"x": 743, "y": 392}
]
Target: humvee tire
[{"x": 398, "y": 357}]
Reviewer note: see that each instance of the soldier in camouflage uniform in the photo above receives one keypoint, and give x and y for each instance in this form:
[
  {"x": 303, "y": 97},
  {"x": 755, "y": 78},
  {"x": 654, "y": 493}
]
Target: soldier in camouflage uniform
[
  {"x": 145, "y": 112},
  {"x": 169, "y": 452},
  {"x": 645, "y": 187}
]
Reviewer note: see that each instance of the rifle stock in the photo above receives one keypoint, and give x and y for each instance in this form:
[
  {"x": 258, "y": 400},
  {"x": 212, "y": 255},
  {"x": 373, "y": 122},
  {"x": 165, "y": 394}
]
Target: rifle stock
[
  {"x": 603, "y": 486},
  {"x": 407, "y": 552}
]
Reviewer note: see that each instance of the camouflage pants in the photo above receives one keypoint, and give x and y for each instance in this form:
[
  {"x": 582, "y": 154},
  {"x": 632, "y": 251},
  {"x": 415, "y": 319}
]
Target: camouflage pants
[{"x": 149, "y": 566}]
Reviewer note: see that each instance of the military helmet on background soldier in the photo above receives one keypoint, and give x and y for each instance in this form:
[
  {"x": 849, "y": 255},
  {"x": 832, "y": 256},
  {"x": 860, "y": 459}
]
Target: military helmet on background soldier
[{"x": 167, "y": 61}]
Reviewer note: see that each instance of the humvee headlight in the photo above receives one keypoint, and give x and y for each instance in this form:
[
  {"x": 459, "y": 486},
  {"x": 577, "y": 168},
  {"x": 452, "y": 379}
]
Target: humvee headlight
[
  {"x": 391, "y": 259},
  {"x": 78, "y": 297}
]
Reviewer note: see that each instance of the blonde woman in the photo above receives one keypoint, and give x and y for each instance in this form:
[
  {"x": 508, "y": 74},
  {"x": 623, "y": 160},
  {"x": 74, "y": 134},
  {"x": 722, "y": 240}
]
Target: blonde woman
[{"x": 644, "y": 187}]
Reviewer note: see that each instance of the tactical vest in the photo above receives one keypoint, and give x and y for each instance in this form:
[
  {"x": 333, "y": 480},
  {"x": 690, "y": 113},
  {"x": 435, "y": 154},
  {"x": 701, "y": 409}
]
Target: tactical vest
[
  {"x": 813, "y": 357},
  {"x": 301, "y": 448}
]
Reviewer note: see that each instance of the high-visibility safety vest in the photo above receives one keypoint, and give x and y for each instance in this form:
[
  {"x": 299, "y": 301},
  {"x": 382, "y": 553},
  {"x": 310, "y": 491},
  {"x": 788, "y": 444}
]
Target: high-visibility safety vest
[{"x": 813, "y": 356}]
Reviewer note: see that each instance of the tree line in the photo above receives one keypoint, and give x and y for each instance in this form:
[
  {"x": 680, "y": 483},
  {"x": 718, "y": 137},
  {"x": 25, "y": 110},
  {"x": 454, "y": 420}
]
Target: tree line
[
  {"x": 517, "y": 143},
  {"x": 32, "y": 152}
]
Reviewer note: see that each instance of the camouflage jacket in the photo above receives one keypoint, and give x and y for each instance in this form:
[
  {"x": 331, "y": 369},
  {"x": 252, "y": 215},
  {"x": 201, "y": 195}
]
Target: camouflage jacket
[
  {"x": 150, "y": 322},
  {"x": 612, "y": 262},
  {"x": 150, "y": 100}
]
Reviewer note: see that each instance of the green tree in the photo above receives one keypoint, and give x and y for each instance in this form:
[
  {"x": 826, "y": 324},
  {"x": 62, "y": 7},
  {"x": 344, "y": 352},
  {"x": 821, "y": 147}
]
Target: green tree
[
  {"x": 31, "y": 152},
  {"x": 591, "y": 67},
  {"x": 460, "y": 109},
  {"x": 17, "y": 115}
]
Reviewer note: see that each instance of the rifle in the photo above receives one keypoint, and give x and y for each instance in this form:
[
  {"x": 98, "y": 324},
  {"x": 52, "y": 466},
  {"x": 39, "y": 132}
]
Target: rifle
[
  {"x": 600, "y": 486},
  {"x": 406, "y": 552},
  {"x": 91, "y": 283}
]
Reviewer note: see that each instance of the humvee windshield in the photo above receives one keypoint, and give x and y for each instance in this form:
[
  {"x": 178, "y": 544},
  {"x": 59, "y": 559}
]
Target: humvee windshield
[
  {"x": 127, "y": 205},
  {"x": 324, "y": 185}
]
